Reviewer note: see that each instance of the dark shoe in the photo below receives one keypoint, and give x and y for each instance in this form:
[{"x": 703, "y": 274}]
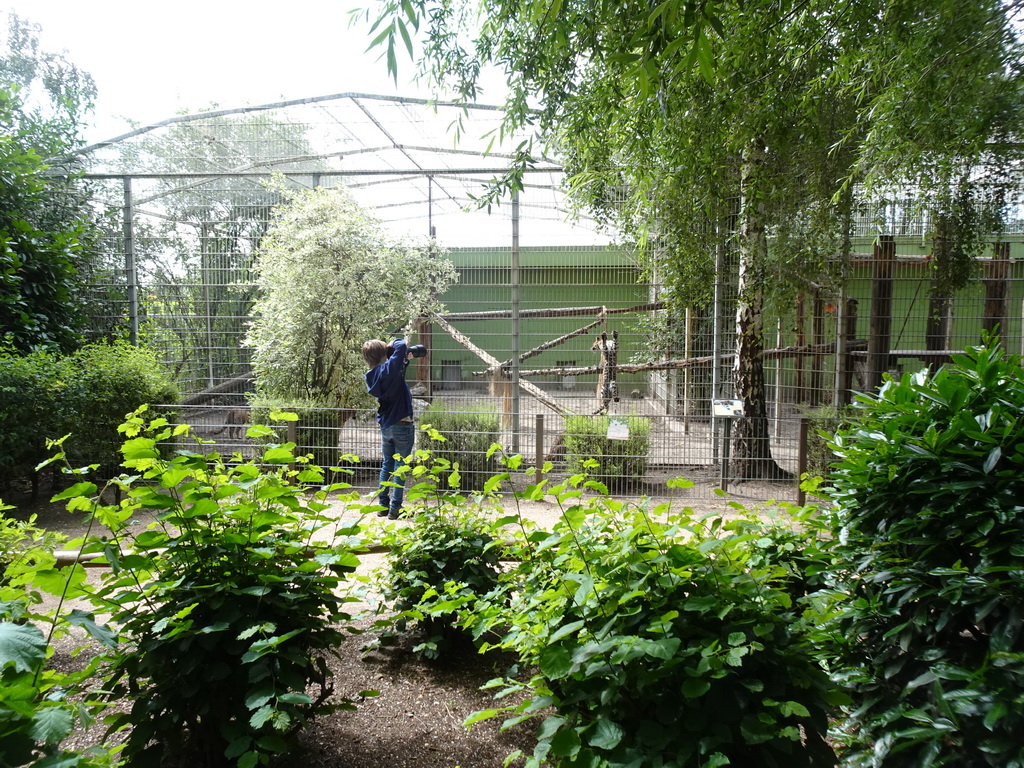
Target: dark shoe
[
  {"x": 382, "y": 513},
  {"x": 394, "y": 514}
]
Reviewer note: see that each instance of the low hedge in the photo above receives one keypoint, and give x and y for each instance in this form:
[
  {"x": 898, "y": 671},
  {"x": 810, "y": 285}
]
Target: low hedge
[{"x": 86, "y": 394}]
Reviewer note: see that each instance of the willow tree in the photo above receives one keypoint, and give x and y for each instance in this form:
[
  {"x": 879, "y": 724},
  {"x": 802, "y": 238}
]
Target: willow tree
[{"x": 705, "y": 126}]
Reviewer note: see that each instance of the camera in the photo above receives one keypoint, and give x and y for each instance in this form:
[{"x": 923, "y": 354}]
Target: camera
[{"x": 418, "y": 350}]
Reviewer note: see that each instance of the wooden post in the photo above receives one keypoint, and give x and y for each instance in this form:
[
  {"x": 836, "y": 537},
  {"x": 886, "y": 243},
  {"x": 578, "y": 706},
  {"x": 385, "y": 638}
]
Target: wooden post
[
  {"x": 778, "y": 381},
  {"x": 880, "y": 322},
  {"x": 817, "y": 337},
  {"x": 423, "y": 334},
  {"x": 997, "y": 289},
  {"x": 801, "y": 460},
  {"x": 849, "y": 365}
]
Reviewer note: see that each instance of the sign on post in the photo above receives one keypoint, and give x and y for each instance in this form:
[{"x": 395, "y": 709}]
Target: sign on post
[{"x": 728, "y": 410}]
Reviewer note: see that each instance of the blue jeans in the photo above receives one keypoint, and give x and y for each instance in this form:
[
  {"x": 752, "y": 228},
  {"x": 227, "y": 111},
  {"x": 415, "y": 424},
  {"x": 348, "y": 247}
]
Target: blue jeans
[{"x": 397, "y": 439}]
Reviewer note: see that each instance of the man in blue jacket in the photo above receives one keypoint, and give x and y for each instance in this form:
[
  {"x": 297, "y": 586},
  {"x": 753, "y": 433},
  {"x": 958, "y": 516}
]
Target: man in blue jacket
[{"x": 386, "y": 381}]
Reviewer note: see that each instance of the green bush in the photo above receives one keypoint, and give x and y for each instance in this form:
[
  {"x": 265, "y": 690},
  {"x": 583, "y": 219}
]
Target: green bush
[
  {"x": 316, "y": 429},
  {"x": 31, "y": 409},
  {"x": 87, "y": 394},
  {"x": 227, "y": 606},
  {"x": 105, "y": 383},
  {"x": 823, "y": 423},
  {"x": 929, "y": 584},
  {"x": 41, "y": 706},
  {"x": 586, "y": 437},
  {"x": 438, "y": 566},
  {"x": 468, "y": 433},
  {"x": 663, "y": 640}
]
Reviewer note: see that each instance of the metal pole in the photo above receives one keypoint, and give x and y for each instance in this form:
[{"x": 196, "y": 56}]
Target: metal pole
[
  {"x": 204, "y": 268},
  {"x": 539, "y": 429},
  {"x": 430, "y": 207},
  {"x": 716, "y": 343},
  {"x": 129, "y": 263},
  {"x": 687, "y": 353},
  {"x": 515, "y": 322},
  {"x": 725, "y": 453}
]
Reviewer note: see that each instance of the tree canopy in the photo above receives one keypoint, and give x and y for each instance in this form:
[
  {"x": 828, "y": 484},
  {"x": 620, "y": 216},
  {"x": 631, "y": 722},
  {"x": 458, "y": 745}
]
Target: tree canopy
[
  {"x": 699, "y": 127},
  {"x": 45, "y": 233},
  {"x": 331, "y": 278}
]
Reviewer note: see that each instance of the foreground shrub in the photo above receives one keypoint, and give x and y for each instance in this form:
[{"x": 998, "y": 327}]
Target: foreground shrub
[
  {"x": 317, "y": 428},
  {"x": 661, "y": 640},
  {"x": 468, "y": 434},
  {"x": 226, "y": 607},
  {"x": 40, "y": 706},
  {"x": 437, "y": 566},
  {"x": 929, "y": 583},
  {"x": 586, "y": 438}
]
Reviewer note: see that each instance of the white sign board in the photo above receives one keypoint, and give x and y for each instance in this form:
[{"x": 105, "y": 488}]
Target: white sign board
[
  {"x": 732, "y": 409},
  {"x": 618, "y": 430}
]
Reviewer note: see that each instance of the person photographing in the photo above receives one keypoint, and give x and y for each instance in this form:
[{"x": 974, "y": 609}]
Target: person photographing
[{"x": 386, "y": 381}]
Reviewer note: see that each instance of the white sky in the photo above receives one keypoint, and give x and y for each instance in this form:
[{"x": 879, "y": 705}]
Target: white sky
[{"x": 153, "y": 60}]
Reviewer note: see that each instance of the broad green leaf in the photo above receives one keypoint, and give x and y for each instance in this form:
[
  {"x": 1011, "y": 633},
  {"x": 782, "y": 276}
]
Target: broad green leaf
[
  {"x": 565, "y": 743},
  {"x": 86, "y": 621},
  {"x": 605, "y": 734},
  {"x": 555, "y": 662},
  {"x": 695, "y": 687},
  {"x": 21, "y": 644},
  {"x": 278, "y": 455},
  {"x": 140, "y": 448},
  {"x": 65, "y": 581},
  {"x": 52, "y": 724},
  {"x": 78, "y": 489}
]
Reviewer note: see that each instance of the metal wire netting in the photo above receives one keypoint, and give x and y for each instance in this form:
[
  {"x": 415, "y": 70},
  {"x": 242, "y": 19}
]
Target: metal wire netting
[{"x": 543, "y": 299}]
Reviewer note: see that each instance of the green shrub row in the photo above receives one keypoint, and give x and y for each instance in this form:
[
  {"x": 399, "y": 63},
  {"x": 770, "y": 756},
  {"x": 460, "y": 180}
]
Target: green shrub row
[
  {"x": 222, "y": 613},
  {"x": 928, "y": 579},
  {"x": 86, "y": 394}
]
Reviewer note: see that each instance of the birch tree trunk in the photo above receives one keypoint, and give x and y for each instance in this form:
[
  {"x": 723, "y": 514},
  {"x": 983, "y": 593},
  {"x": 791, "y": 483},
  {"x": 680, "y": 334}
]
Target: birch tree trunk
[{"x": 751, "y": 448}]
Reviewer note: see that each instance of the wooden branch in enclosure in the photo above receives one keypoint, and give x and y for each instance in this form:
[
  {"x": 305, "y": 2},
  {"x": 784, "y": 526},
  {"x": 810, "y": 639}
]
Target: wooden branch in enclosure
[
  {"x": 545, "y": 346},
  {"x": 492, "y": 362},
  {"x": 780, "y": 353},
  {"x": 547, "y": 313},
  {"x": 660, "y": 365},
  {"x": 231, "y": 385},
  {"x": 815, "y": 350}
]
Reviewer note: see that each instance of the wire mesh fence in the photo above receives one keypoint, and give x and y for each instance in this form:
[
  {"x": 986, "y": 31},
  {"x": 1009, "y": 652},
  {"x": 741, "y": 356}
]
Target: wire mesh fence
[{"x": 554, "y": 341}]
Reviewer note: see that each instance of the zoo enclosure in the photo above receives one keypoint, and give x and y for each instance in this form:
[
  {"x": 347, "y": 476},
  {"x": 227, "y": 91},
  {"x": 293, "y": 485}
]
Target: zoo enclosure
[{"x": 186, "y": 203}]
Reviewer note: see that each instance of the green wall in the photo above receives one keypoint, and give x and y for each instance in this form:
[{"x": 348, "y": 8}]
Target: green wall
[{"x": 549, "y": 278}]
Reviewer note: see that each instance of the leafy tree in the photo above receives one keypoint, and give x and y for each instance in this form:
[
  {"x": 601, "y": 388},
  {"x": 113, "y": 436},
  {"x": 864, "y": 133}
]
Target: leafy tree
[
  {"x": 45, "y": 237},
  {"x": 331, "y": 278},
  {"x": 705, "y": 129},
  {"x": 196, "y": 237}
]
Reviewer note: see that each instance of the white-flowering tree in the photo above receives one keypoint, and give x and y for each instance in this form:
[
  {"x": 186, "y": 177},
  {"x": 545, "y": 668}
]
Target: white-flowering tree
[{"x": 331, "y": 277}]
